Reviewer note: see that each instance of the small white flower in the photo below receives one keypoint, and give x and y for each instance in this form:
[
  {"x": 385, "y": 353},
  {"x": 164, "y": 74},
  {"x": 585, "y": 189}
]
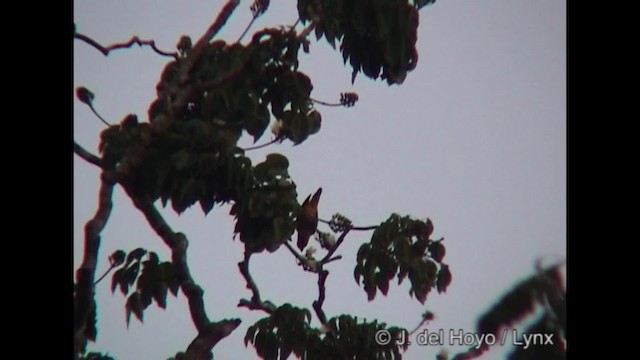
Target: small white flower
[{"x": 276, "y": 127}]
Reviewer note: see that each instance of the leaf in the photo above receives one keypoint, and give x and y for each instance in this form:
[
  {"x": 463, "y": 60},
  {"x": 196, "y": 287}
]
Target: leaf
[
  {"x": 85, "y": 95},
  {"x": 250, "y": 335},
  {"x": 116, "y": 279},
  {"x": 277, "y": 161},
  {"x": 357, "y": 273},
  {"x": 117, "y": 258},
  {"x": 153, "y": 259},
  {"x": 160, "y": 295},
  {"x": 131, "y": 273},
  {"x": 444, "y": 278},
  {"x": 437, "y": 251},
  {"x": 315, "y": 121},
  {"x": 134, "y": 305},
  {"x": 136, "y": 254},
  {"x": 382, "y": 282}
]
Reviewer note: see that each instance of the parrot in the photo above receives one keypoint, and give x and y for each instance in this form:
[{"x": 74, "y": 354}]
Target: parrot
[{"x": 308, "y": 219}]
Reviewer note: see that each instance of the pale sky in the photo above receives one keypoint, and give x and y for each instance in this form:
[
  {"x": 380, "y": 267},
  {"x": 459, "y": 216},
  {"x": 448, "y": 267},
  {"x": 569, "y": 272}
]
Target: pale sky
[{"x": 474, "y": 139}]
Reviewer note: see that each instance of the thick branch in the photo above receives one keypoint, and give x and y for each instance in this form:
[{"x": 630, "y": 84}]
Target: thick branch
[
  {"x": 221, "y": 19},
  {"x": 84, "y": 302},
  {"x": 87, "y": 156},
  {"x": 256, "y": 303},
  {"x": 134, "y": 40},
  {"x": 178, "y": 243},
  {"x": 317, "y": 305},
  {"x": 208, "y": 337}
]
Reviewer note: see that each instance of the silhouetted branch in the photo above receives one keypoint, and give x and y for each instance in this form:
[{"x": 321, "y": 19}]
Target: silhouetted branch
[
  {"x": 306, "y": 31},
  {"x": 98, "y": 115},
  {"x": 178, "y": 244},
  {"x": 426, "y": 317},
  {"x": 335, "y": 247},
  {"x": 221, "y": 19},
  {"x": 256, "y": 303},
  {"x": 359, "y": 228},
  {"x": 111, "y": 267},
  {"x": 246, "y": 30},
  {"x": 87, "y": 156},
  {"x": 134, "y": 40},
  {"x": 263, "y": 145},
  {"x": 207, "y": 338},
  {"x": 317, "y": 305},
  {"x": 84, "y": 301},
  {"x": 325, "y": 103}
]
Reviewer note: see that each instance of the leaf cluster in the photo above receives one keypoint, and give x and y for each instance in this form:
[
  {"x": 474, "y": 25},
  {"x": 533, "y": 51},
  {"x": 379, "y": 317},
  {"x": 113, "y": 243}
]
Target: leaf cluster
[
  {"x": 401, "y": 246},
  {"x": 378, "y": 37},
  {"x": 153, "y": 280},
  {"x": 288, "y": 331}
]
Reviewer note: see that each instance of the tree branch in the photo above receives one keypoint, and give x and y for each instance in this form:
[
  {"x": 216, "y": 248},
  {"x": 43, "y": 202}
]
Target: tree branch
[
  {"x": 178, "y": 244},
  {"x": 87, "y": 156},
  {"x": 327, "y": 257},
  {"x": 111, "y": 267},
  {"x": 256, "y": 303},
  {"x": 325, "y": 103},
  {"x": 221, "y": 19},
  {"x": 84, "y": 301},
  {"x": 263, "y": 145},
  {"x": 246, "y": 30},
  {"x": 317, "y": 305},
  {"x": 134, "y": 40},
  {"x": 306, "y": 31},
  {"x": 359, "y": 228},
  {"x": 207, "y": 338}
]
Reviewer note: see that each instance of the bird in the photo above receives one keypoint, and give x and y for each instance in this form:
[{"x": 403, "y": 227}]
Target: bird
[{"x": 308, "y": 219}]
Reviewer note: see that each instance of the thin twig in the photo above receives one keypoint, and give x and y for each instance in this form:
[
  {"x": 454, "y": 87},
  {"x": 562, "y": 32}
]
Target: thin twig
[
  {"x": 104, "y": 275},
  {"x": 296, "y": 23},
  {"x": 262, "y": 145},
  {"x": 425, "y": 319},
  {"x": 85, "y": 275},
  {"x": 134, "y": 40},
  {"x": 303, "y": 34},
  {"x": 295, "y": 253},
  {"x": 317, "y": 305},
  {"x": 253, "y": 19},
  {"x": 359, "y": 228},
  {"x": 325, "y": 103},
  {"x": 87, "y": 156},
  {"x": 335, "y": 247},
  {"x": 98, "y": 115}
]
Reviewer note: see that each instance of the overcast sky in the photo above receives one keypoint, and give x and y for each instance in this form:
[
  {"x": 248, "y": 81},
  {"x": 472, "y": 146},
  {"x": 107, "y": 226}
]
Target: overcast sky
[{"x": 474, "y": 139}]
